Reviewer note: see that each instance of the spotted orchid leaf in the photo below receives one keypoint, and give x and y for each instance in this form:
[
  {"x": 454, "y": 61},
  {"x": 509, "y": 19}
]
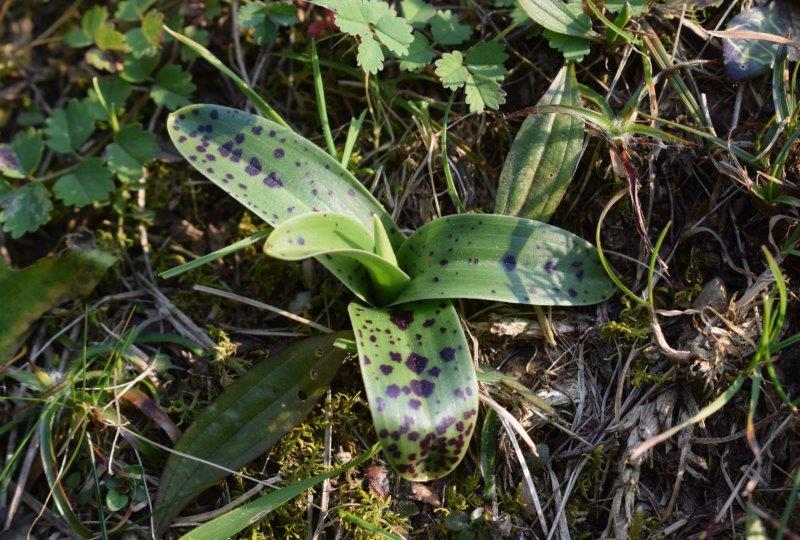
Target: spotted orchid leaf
[
  {"x": 544, "y": 155},
  {"x": 326, "y": 234},
  {"x": 277, "y": 174},
  {"x": 246, "y": 420},
  {"x": 420, "y": 383},
  {"x": 504, "y": 259}
]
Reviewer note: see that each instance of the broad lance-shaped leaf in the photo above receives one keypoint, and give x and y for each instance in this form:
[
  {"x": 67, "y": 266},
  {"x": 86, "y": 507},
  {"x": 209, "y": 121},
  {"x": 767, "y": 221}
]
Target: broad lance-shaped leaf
[
  {"x": 504, "y": 259},
  {"x": 325, "y": 235},
  {"x": 276, "y": 173},
  {"x": 29, "y": 293},
  {"x": 246, "y": 420},
  {"x": 420, "y": 383},
  {"x": 544, "y": 155}
]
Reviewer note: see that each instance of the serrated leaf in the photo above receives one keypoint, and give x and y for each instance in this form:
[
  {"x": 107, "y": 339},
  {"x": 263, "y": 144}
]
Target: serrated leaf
[
  {"x": 326, "y": 234},
  {"x": 558, "y": 17},
  {"x": 20, "y": 158},
  {"x": 92, "y": 20},
  {"x": 374, "y": 23},
  {"x": 572, "y": 48},
  {"x": 748, "y": 58},
  {"x": 544, "y": 155},
  {"x": 482, "y": 92},
  {"x": 258, "y": 409},
  {"x": 76, "y": 39},
  {"x": 265, "y": 18},
  {"x": 132, "y": 10},
  {"x": 67, "y": 129},
  {"x": 238, "y": 519},
  {"x": 136, "y": 70},
  {"x": 25, "y": 209},
  {"x": 419, "y": 54},
  {"x": 107, "y": 38},
  {"x": 172, "y": 88},
  {"x": 152, "y": 27},
  {"x": 416, "y": 12},
  {"x": 486, "y": 59},
  {"x": 502, "y": 259},
  {"x": 451, "y": 70},
  {"x": 138, "y": 44},
  {"x": 89, "y": 182},
  {"x": 275, "y": 173},
  {"x": 370, "y": 55},
  {"x": 448, "y": 30},
  {"x": 420, "y": 383},
  {"x": 31, "y": 292},
  {"x": 132, "y": 149}
]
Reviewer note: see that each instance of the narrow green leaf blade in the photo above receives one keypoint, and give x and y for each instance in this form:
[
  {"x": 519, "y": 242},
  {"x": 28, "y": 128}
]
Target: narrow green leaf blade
[
  {"x": 557, "y": 17},
  {"x": 230, "y": 523},
  {"x": 275, "y": 173},
  {"x": 503, "y": 259},
  {"x": 247, "y": 419},
  {"x": 326, "y": 234},
  {"x": 544, "y": 155},
  {"x": 420, "y": 383}
]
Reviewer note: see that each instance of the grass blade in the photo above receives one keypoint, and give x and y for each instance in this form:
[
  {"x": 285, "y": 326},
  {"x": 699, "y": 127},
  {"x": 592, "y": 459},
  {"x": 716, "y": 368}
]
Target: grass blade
[{"x": 211, "y": 257}]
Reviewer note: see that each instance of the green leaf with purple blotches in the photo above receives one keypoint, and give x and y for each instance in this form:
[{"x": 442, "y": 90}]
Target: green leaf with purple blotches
[
  {"x": 246, "y": 420},
  {"x": 420, "y": 383},
  {"x": 503, "y": 259},
  {"x": 544, "y": 155},
  {"x": 20, "y": 158},
  {"x": 326, "y": 234},
  {"x": 277, "y": 174}
]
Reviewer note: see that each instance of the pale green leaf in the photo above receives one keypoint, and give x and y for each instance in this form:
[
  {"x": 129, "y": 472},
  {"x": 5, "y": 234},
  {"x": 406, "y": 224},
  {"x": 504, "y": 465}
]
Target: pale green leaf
[
  {"x": 482, "y": 92},
  {"x": 502, "y": 259},
  {"x": 558, "y": 17},
  {"x": 258, "y": 409},
  {"x": 172, "y": 88},
  {"x": 419, "y": 54},
  {"x": 132, "y": 149},
  {"x": 152, "y": 27},
  {"x": 370, "y": 55},
  {"x": 451, "y": 70},
  {"x": 636, "y": 7},
  {"x": 89, "y": 182},
  {"x": 326, "y": 234},
  {"x": 544, "y": 155},
  {"x": 67, "y": 129},
  {"x": 275, "y": 173},
  {"x": 448, "y": 30},
  {"x": 25, "y": 209},
  {"x": 420, "y": 383},
  {"x": 138, "y": 44},
  {"x": 417, "y": 12},
  {"x": 571, "y": 47},
  {"x": 107, "y": 38}
]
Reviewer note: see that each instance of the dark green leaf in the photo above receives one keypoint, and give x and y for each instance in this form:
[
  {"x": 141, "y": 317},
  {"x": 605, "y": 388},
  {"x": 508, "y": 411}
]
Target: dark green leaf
[
  {"x": 420, "y": 382},
  {"x": 246, "y": 420},
  {"x": 25, "y": 209},
  {"x": 31, "y": 292},
  {"x": 503, "y": 259},
  {"x": 133, "y": 148},
  {"x": 544, "y": 155},
  {"x": 22, "y": 156},
  {"x": 93, "y": 20},
  {"x": 172, "y": 88},
  {"x": 132, "y": 10},
  {"x": 419, "y": 54},
  {"x": 233, "y": 522},
  {"x": 115, "y": 92},
  {"x": 67, "y": 129},
  {"x": 275, "y": 173},
  {"x": 136, "y": 70},
  {"x": 89, "y": 182},
  {"x": 448, "y": 30}
]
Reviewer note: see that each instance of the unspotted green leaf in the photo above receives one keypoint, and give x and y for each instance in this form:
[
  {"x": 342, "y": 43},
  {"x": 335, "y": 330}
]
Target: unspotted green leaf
[
  {"x": 132, "y": 149},
  {"x": 89, "y": 182},
  {"x": 67, "y": 129},
  {"x": 172, "y": 88}
]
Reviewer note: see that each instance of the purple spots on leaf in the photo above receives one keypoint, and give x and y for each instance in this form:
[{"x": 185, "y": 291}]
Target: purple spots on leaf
[
  {"x": 414, "y": 403},
  {"x": 413, "y": 436},
  {"x": 422, "y": 388},
  {"x": 278, "y": 153},
  {"x": 416, "y": 363},
  {"x": 386, "y": 369},
  {"x": 402, "y": 319},
  {"x": 435, "y": 371},
  {"x": 392, "y": 390},
  {"x": 214, "y": 114},
  {"x": 272, "y": 133},
  {"x": 579, "y": 274},
  {"x": 272, "y": 181},
  {"x": 445, "y": 423},
  {"x": 351, "y": 192},
  {"x": 367, "y": 360},
  {"x": 373, "y": 339},
  {"x": 443, "y": 262},
  {"x": 509, "y": 262},
  {"x": 182, "y": 139},
  {"x": 380, "y": 404},
  {"x": 428, "y": 323},
  {"x": 257, "y": 130},
  {"x": 239, "y": 138},
  {"x": 301, "y": 241},
  {"x": 253, "y": 167},
  {"x": 225, "y": 149},
  {"x": 447, "y": 354},
  {"x": 550, "y": 267},
  {"x": 573, "y": 293},
  {"x": 406, "y": 390},
  {"x": 396, "y": 357},
  {"x": 236, "y": 155}
]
